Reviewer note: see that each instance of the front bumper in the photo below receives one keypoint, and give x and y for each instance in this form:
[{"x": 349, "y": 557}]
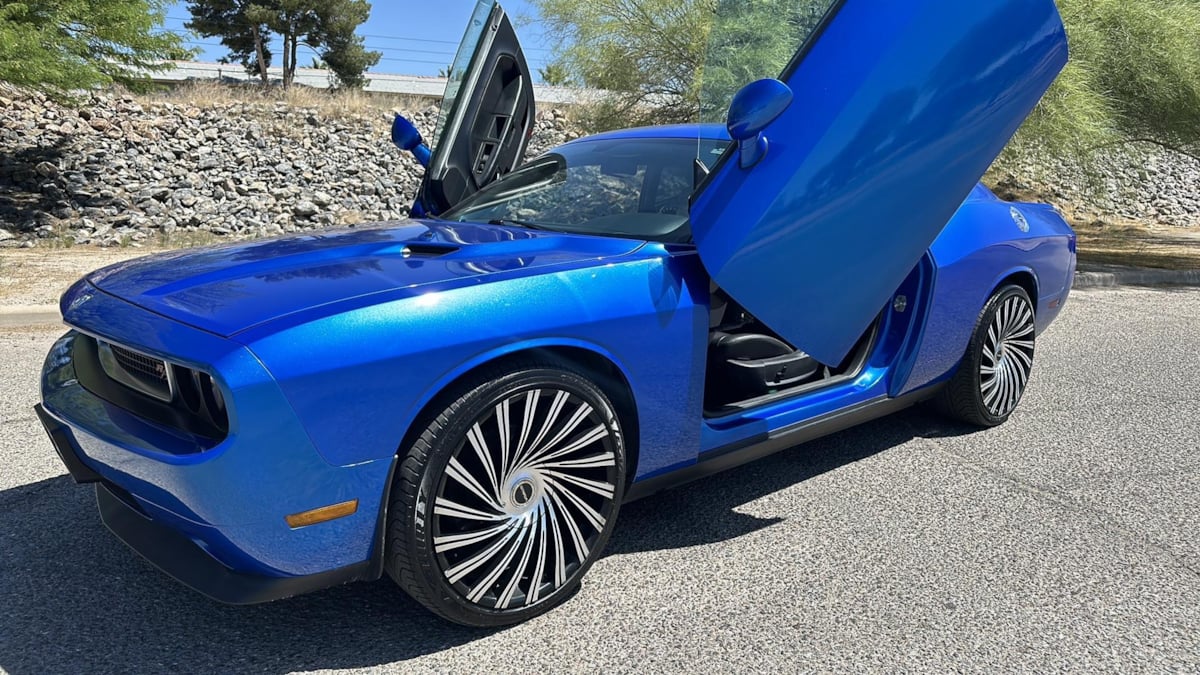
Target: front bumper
[
  {"x": 220, "y": 506},
  {"x": 60, "y": 438},
  {"x": 181, "y": 558},
  {"x": 178, "y": 555}
]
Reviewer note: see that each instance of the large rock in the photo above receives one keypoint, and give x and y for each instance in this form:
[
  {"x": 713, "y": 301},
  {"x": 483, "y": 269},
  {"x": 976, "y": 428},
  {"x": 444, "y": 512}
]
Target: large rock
[{"x": 114, "y": 169}]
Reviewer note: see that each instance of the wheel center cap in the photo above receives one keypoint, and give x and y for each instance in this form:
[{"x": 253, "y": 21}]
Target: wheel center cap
[{"x": 522, "y": 493}]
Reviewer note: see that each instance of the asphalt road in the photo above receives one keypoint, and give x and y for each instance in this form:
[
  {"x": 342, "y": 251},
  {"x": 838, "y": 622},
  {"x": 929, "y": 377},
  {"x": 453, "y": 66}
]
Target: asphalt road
[{"x": 1068, "y": 539}]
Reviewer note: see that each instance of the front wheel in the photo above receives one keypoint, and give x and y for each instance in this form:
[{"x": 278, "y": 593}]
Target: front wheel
[
  {"x": 508, "y": 496},
  {"x": 995, "y": 370}
]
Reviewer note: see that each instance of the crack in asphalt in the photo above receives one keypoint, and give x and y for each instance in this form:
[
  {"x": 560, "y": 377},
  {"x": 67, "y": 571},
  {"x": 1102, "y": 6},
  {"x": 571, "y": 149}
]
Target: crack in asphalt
[{"x": 1128, "y": 475}]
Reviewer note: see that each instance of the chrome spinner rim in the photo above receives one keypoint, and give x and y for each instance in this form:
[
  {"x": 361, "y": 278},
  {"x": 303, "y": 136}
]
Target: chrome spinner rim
[
  {"x": 1007, "y": 356},
  {"x": 525, "y": 498}
]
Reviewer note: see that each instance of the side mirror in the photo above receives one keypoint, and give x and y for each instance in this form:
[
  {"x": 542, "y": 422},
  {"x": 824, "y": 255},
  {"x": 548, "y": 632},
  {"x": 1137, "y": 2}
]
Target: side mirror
[
  {"x": 406, "y": 137},
  {"x": 754, "y": 107}
]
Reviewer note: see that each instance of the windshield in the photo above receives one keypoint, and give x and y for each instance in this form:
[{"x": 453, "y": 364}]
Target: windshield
[{"x": 620, "y": 187}]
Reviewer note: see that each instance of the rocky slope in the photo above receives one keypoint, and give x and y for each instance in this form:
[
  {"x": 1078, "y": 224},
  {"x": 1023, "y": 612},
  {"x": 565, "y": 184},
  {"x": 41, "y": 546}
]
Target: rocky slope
[
  {"x": 116, "y": 171},
  {"x": 121, "y": 171},
  {"x": 1140, "y": 182}
]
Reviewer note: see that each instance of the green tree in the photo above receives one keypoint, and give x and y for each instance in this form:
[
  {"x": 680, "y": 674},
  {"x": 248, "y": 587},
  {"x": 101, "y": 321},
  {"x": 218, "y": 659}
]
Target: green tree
[
  {"x": 249, "y": 43},
  {"x": 1134, "y": 74},
  {"x": 293, "y": 20},
  {"x": 646, "y": 52},
  {"x": 555, "y": 75},
  {"x": 325, "y": 26},
  {"x": 656, "y": 61},
  {"x": 748, "y": 40},
  {"x": 344, "y": 50},
  {"x": 60, "y": 46}
]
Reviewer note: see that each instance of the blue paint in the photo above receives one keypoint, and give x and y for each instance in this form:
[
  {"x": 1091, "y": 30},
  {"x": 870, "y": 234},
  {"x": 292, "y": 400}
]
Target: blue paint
[
  {"x": 901, "y": 107},
  {"x": 328, "y": 346},
  {"x": 406, "y": 137},
  {"x": 753, "y": 108}
]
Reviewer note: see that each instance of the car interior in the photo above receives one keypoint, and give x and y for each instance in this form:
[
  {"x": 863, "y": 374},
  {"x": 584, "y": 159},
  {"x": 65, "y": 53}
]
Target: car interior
[{"x": 749, "y": 365}]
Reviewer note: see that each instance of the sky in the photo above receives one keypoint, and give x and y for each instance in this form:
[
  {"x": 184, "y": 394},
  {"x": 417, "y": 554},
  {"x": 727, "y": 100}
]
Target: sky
[{"x": 416, "y": 37}]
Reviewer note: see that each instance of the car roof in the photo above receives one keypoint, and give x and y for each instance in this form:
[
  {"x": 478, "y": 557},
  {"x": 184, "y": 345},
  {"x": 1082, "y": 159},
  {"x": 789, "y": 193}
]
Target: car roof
[{"x": 713, "y": 132}]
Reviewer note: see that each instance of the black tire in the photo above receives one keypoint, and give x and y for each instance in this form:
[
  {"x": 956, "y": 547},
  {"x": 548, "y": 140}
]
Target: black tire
[
  {"x": 988, "y": 386},
  {"x": 552, "y": 507}
]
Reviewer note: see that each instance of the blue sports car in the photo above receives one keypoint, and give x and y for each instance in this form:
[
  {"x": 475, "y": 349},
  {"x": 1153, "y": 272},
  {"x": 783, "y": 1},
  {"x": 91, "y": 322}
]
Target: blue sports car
[{"x": 464, "y": 400}]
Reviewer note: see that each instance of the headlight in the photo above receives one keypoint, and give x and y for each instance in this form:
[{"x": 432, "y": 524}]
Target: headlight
[
  {"x": 201, "y": 396},
  {"x": 158, "y": 390}
]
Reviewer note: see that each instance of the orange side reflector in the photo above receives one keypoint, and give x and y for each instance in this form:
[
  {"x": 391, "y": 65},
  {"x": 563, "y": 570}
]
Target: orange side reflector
[{"x": 306, "y": 518}]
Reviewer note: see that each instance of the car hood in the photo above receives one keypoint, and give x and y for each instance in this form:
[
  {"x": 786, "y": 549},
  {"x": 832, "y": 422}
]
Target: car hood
[{"x": 228, "y": 289}]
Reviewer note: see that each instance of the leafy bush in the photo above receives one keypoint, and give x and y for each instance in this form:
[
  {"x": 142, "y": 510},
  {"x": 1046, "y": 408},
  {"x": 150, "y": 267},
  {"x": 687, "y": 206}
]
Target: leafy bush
[
  {"x": 61, "y": 46},
  {"x": 1134, "y": 73}
]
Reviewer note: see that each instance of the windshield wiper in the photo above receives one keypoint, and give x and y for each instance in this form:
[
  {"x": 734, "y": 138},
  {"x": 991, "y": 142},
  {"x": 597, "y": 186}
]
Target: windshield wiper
[{"x": 518, "y": 223}]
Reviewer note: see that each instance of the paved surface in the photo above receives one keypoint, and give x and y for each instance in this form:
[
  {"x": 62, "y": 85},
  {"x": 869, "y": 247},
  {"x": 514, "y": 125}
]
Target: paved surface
[
  {"x": 22, "y": 316},
  {"x": 1068, "y": 539}
]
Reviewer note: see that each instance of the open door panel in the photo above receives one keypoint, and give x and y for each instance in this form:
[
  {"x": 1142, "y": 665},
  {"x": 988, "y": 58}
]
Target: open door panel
[{"x": 487, "y": 113}]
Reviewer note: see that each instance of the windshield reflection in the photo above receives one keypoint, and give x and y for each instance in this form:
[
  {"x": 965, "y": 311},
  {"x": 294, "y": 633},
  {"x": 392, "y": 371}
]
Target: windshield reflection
[{"x": 622, "y": 187}]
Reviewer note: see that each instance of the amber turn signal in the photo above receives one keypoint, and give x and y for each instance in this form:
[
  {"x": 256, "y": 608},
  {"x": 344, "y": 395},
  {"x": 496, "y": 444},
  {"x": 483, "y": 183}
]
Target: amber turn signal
[{"x": 306, "y": 518}]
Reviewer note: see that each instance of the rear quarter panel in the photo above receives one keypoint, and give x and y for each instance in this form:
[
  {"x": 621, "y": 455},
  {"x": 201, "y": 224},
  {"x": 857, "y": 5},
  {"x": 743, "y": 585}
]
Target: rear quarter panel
[{"x": 980, "y": 247}]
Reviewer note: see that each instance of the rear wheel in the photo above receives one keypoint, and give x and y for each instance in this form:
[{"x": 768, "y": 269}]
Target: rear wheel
[
  {"x": 508, "y": 496},
  {"x": 999, "y": 359}
]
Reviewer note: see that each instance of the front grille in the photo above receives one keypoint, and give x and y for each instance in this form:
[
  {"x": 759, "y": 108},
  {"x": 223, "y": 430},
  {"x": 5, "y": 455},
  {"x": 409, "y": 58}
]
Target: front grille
[
  {"x": 136, "y": 370},
  {"x": 146, "y": 366}
]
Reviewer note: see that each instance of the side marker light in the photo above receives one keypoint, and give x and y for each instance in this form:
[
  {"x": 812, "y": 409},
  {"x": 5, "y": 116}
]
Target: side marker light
[{"x": 322, "y": 514}]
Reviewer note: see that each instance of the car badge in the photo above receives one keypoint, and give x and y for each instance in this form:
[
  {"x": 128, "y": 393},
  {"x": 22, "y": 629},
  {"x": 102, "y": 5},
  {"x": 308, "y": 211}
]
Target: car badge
[{"x": 1019, "y": 219}]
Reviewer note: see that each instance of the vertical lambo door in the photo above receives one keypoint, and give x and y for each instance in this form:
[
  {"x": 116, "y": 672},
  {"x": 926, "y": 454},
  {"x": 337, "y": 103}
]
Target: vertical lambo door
[
  {"x": 486, "y": 116},
  {"x": 842, "y": 176}
]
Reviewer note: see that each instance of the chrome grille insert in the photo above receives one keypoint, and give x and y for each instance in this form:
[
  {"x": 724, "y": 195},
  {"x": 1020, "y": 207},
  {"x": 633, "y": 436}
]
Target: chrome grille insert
[{"x": 136, "y": 370}]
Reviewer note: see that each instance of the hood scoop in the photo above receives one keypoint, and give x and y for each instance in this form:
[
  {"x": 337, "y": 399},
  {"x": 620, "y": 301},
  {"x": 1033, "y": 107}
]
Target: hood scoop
[{"x": 427, "y": 249}]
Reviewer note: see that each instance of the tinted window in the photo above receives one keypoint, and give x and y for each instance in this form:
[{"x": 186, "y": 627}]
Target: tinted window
[{"x": 752, "y": 40}]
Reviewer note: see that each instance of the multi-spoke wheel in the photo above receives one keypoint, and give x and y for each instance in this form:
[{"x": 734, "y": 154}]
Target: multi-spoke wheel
[
  {"x": 508, "y": 496},
  {"x": 999, "y": 359}
]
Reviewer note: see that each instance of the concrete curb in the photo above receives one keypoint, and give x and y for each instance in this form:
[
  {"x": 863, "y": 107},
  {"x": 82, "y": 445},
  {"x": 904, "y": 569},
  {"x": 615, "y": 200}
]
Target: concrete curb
[
  {"x": 1112, "y": 276},
  {"x": 29, "y": 315}
]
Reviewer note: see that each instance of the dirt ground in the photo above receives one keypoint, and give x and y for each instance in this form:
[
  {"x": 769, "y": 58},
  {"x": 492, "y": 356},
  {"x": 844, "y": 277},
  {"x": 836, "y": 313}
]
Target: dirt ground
[
  {"x": 1139, "y": 245},
  {"x": 1112, "y": 241},
  {"x": 38, "y": 276}
]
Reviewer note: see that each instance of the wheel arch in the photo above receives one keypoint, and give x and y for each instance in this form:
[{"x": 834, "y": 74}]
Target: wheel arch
[
  {"x": 1023, "y": 277},
  {"x": 601, "y": 366}
]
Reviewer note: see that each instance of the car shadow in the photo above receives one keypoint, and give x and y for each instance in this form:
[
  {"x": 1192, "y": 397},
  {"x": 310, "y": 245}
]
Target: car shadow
[
  {"x": 707, "y": 511},
  {"x": 74, "y": 597}
]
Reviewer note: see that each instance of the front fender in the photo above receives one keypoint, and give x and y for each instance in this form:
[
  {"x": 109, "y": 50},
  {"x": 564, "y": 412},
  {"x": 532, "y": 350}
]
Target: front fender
[{"x": 359, "y": 379}]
